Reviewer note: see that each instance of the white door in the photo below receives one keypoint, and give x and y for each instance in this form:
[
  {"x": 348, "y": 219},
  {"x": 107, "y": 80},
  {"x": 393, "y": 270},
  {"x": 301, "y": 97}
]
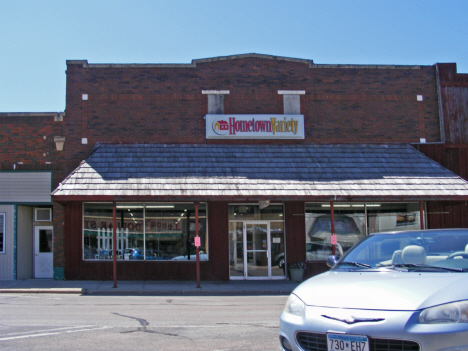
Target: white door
[{"x": 43, "y": 252}]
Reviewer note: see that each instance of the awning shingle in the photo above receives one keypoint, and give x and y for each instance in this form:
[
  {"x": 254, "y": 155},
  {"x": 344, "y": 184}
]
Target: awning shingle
[{"x": 274, "y": 171}]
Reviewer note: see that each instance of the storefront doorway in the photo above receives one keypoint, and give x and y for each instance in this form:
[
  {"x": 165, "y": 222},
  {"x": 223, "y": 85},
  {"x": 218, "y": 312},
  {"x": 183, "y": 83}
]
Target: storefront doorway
[
  {"x": 43, "y": 254},
  {"x": 257, "y": 250}
]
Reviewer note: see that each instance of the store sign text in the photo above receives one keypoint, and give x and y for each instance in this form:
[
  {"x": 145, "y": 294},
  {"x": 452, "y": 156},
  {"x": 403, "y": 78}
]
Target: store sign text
[
  {"x": 152, "y": 225},
  {"x": 254, "y": 126}
]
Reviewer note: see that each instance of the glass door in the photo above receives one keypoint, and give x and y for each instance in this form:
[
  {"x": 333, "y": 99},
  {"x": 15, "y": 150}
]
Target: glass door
[
  {"x": 236, "y": 250},
  {"x": 257, "y": 258},
  {"x": 256, "y": 250}
]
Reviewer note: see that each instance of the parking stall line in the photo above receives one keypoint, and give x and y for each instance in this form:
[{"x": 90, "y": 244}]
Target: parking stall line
[{"x": 56, "y": 332}]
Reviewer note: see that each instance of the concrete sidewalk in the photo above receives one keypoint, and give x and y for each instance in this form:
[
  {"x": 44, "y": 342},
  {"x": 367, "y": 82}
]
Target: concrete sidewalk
[{"x": 156, "y": 288}]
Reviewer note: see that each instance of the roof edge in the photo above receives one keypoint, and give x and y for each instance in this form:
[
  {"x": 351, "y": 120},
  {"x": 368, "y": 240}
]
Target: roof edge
[
  {"x": 310, "y": 63},
  {"x": 85, "y": 64},
  {"x": 30, "y": 114},
  {"x": 255, "y": 198},
  {"x": 357, "y": 66},
  {"x": 253, "y": 55}
]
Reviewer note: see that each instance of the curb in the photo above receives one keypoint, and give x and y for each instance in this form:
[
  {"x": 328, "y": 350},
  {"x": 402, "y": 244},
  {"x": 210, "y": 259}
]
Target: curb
[
  {"x": 84, "y": 291},
  {"x": 44, "y": 291},
  {"x": 184, "y": 293}
]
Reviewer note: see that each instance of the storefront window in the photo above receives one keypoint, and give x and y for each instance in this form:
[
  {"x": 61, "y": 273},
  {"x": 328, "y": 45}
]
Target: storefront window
[
  {"x": 350, "y": 227},
  {"x": 145, "y": 231},
  {"x": 170, "y": 231},
  {"x": 393, "y": 217},
  {"x": 130, "y": 232},
  {"x": 352, "y": 222}
]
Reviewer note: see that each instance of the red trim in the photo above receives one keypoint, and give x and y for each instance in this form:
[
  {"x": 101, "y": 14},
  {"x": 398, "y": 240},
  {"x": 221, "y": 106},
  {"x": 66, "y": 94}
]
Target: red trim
[
  {"x": 332, "y": 223},
  {"x": 421, "y": 214},
  {"x": 114, "y": 243},
  {"x": 107, "y": 198},
  {"x": 198, "y": 248}
]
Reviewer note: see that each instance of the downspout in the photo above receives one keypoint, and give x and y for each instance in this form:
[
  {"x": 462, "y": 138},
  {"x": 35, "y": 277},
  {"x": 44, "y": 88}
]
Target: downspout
[
  {"x": 15, "y": 243},
  {"x": 441, "y": 110}
]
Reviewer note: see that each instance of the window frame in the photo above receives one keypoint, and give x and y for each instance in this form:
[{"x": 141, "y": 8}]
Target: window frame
[{"x": 36, "y": 219}]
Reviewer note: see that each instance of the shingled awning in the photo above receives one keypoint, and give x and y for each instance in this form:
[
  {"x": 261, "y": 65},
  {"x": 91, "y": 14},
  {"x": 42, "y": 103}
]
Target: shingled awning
[{"x": 159, "y": 172}]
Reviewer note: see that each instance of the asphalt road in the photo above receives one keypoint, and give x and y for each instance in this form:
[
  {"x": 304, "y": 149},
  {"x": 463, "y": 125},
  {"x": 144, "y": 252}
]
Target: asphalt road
[{"x": 75, "y": 322}]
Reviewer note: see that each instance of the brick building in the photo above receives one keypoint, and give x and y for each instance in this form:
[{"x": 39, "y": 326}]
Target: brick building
[
  {"x": 30, "y": 163},
  {"x": 248, "y": 158}
]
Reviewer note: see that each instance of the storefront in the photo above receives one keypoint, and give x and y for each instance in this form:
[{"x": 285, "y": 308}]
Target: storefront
[
  {"x": 250, "y": 209},
  {"x": 26, "y": 225},
  {"x": 252, "y": 160},
  {"x": 255, "y": 161}
]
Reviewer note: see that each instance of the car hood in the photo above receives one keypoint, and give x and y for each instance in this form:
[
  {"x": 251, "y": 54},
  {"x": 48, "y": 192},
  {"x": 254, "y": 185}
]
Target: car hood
[{"x": 395, "y": 291}]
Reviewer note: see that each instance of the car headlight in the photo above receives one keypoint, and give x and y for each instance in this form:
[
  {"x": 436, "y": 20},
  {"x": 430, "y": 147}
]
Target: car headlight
[
  {"x": 455, "y": 312},
  {"x": 294, "y": 305}
]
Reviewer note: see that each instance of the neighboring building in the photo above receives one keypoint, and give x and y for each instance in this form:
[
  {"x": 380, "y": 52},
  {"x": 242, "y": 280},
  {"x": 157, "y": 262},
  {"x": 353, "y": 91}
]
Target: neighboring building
[
  {"x": 30, "y": 159},
  {"x": 256, "y": 154}
]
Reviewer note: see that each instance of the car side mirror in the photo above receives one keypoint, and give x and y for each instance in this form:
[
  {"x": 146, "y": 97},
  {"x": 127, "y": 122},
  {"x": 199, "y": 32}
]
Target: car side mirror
[{"x": 332, "y": 261}]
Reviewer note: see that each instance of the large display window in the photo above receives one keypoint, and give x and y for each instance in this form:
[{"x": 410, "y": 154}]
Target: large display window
[
  {"x": 352, "y": 222},
  {"x": 145, "y": 231}
]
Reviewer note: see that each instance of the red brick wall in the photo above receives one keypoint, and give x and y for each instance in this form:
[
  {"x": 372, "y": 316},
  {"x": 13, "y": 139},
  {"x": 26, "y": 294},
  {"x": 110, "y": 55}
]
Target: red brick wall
[
  {"x": 27, "y": 143},
  {"x": 29, "y": 138},
  {"x": 156, "y": 104}
]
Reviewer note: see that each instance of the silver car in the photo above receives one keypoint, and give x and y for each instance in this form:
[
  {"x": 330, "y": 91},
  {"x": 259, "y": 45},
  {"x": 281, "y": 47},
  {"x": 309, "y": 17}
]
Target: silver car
[{"x": 391, "y": 291}]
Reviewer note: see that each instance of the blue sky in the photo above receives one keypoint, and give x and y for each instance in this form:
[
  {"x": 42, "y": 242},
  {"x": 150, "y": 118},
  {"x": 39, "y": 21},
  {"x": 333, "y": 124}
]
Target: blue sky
[{"x": 37, "y": 37}]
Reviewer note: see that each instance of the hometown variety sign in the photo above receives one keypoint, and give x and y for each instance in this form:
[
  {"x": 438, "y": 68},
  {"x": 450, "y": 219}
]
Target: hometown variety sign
[{"x": 254, "y": 126}]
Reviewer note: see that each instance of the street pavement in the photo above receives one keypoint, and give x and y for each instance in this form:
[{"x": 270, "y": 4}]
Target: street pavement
[{"x": 155, "y": 288}]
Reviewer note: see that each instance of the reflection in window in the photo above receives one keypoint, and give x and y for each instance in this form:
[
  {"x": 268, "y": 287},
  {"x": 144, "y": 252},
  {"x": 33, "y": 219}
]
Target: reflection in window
[
  {"x": 352, "y": 222},
  {"x": 170, "y": 231},
  {"x": 349, "y": 228},
  {"x": 150, "y": 231},
  {"x": 45, "y": 240},
  {"x": 393, "y": 217},
  {"x": 236, "y": 249}
]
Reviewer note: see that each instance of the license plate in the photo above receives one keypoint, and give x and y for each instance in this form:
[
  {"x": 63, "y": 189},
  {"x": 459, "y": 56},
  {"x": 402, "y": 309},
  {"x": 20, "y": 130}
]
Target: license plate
[{"x": 345, "y": 342}]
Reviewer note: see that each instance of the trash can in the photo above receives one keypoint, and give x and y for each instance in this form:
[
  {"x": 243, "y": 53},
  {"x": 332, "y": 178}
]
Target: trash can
[{"x": 296, "y": 274}]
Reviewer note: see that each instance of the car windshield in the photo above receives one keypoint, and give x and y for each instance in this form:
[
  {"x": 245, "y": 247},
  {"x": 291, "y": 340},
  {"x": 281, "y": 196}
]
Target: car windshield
[{"x": 423, "y": 250}]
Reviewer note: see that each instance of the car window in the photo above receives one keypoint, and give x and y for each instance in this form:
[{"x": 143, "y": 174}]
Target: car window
[{"x": 440, "y": 248}]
